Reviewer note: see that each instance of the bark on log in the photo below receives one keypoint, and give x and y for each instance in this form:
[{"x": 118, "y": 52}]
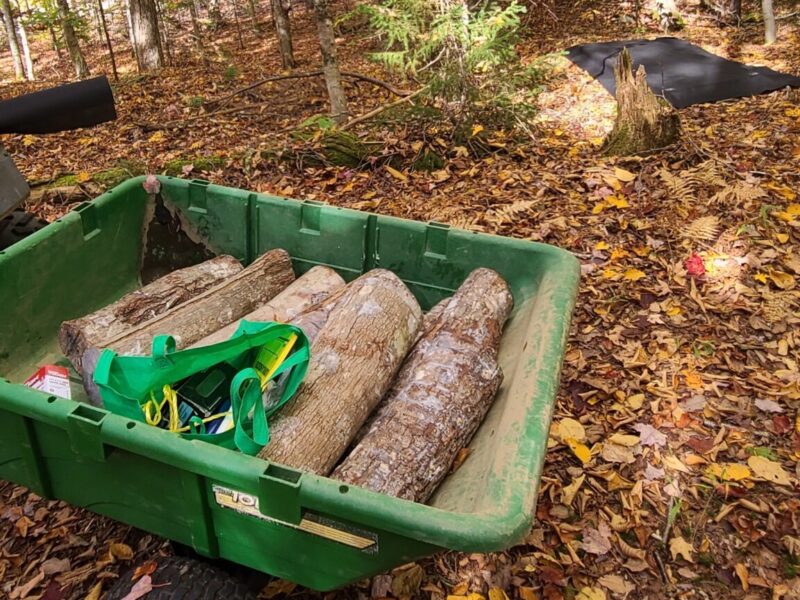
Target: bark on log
[
  {"x": 644, "y": 121},
  {"x": 353, "y": 362},
  {"x": 224, "y": 303},
  {"x": 306, "y": 292},
  {"x": 441, "y": 395},
  {"x": 133, "y": 309}
]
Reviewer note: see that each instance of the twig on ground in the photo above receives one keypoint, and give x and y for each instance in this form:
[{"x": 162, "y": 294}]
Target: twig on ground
[
  {"x": 181, "y": 122},
  {"x": 380, "y": 109}
]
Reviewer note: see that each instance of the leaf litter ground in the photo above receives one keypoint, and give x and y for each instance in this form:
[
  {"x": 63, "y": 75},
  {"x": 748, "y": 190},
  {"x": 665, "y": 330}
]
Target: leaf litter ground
[{"x": 673, "y": 460}]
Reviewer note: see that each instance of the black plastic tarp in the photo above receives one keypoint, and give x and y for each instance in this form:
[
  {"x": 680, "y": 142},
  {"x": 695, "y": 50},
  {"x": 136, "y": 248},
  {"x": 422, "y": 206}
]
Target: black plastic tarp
[{"x": 683, "y": 73}]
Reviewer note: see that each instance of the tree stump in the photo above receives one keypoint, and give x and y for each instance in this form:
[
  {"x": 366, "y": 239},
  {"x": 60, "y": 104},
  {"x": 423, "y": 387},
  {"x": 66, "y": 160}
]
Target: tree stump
[
  {"x": 644, "y": 121},
  {"x": 353, "y": 361},
  {"x": 218, "y": 306},
  {"x": 142, "y": 305},
  {"x": 307, "y": 291},
  {"x": 440, "y": 397}
]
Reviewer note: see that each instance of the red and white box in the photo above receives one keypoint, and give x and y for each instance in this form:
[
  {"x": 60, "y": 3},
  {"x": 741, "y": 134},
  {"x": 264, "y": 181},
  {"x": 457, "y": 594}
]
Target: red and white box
[{"x": 51, "y": 379}]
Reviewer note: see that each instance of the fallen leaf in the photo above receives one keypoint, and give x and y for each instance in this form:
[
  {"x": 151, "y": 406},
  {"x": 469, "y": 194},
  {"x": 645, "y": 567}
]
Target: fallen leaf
[
  {"x": 635, "y": 401},
  {"x": 120, "y": 551},
  {"x": 396, "y": 174},
  {"x": 680, "y": 547},
  {"x": 617, "y": 584},
  {"x": 94, "y": 593},
  {"x": 571, "y": 428},
  {"x": 582, "y": 452},
  {"x": 633, "y": 274},
  {"x": 53, "y": 566},
  {"x": 784, "y": 281},
  {"x": 742, "y": 574},
  {"x": 624, "y": 440},
  {"x": 768, "y": 470},
  {"x": 141, "y": 588},
  {"x": 617, "y": 201},
  {"x": 591, "y": 593},
  {"x": 652, "y": 473},
  {"x": 650, "y": 436},
  {"x": 568, "y": 493},
  {"x": 406, "y": 583},
  {"x": 23, "y": 590},
  {"x": 277, "y": 587},
  {"x": 597, "y": 540},
  {"x": 728, "y": 471},
  {"x": 792, "y": 544},
  {"x": 674, "y": 463},
  {"x": 527, "y": 593},
  {"x": 694, "y": 265},
  {"x": 147, "y": 568},
  {"x": 83, "y": 177},
  {"x": 157, "y": 137},
  {"x": 768, "y": 406},
  {"x": 617, "y": 454},
  {"x": 623, "y": 175},
  {"x": 497, "y": 594}
]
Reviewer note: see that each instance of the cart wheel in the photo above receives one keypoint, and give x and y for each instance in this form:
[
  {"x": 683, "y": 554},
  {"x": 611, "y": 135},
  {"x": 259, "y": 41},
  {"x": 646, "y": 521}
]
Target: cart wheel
[
  {"x": 19, "y": 224},
  {"x": 185, "y": 578}
]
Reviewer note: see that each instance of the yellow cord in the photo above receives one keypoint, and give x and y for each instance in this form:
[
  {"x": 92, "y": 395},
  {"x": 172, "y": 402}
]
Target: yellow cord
[{"x": 279, "y": 358}]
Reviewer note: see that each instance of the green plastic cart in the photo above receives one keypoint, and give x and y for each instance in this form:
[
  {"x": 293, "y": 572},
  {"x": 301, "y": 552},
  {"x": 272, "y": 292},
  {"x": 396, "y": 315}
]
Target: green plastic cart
[{"x": 308, "y": 529}]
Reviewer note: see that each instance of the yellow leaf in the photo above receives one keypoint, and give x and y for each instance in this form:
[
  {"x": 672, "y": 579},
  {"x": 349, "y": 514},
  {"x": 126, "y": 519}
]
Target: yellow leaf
[
  {"x": 582, "y": 452},
  {"x": 476, "y": 129},
  {"x": 693, "y": 380},
  {"x": 497, "y": 594},
  {"x": 744, "y": 578},
  {"x": 673, "y": 311},
  {"x": 680, "y": 547},
  {"x": 782, "y": 237},
  {"x": 83, "y": 177},
  {"x": 792, "y": 112},
  {"x": 610, "y": 273},
  {"x": 768, "y": 470},
  {"x": 782, "y": 190},
  {"x": 635, "y": 401},
  {"x": 571, "y": 428},
  {"x": 475, "y": 596},
  {"x": 624, "y": 440},
  {"x": 94, "y": 593},
  {"x": 762, "y": 277},
  {"x": 782, "y": 280},
  {"x": 599, "y": 207},
  {"x": 759, "y": 134},
  {"x": 591, "y": 593},
  {"x": 396, "y": 174},
  {"x": 618, "y": 253},
  {"x": 601, "y": 246},
  {"x": 527, "y": 593},
  {"x": 158, "y": 136},
  {"x": 568, "y": 493},
  {"x": 623, "y": 175},
  {"x": 728, "y": 471},
  {"x": 28, "y": 140},
  {"x": 792, "y": 213},
  {"x": 120, "y": 551},
  {"x": 633, "y": 274},
  {"x": 460, "y": 589},
  {"x": 674, "y": 463},
  {"x": 617, "y": 201},
  {"x": 641, "y": 250}
]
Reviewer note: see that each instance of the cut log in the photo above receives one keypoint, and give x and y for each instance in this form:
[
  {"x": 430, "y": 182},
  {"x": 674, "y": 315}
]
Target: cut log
[
  {"x": 307, "y": 291},
  {"x": 142, "y": 305},
  {"x": 644, "y": 121},
  {"x": 314, "y": 318},
  {"x": 218, "y": 306},
  {"x": 440, "y": 397},
  {"x": 353, "y": 361}
]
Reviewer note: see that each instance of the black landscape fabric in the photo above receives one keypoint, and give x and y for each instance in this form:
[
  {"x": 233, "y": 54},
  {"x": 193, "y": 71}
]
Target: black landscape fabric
[{"x": 683, "y": 73}]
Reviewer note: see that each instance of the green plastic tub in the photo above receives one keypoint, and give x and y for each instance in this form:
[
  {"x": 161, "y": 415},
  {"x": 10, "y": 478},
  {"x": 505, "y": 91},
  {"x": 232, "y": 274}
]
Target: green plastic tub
[{"x": 308, "y": 529}]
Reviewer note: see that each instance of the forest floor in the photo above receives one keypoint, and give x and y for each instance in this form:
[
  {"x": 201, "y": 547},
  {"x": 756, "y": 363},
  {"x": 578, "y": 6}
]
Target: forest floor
[{"x": 680, "y": 387}]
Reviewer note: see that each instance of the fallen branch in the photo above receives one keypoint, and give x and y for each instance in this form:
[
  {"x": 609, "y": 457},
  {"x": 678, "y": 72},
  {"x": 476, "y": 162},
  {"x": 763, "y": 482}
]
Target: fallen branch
[
  {"x": 182, "y": 122},
  {"x": 380, "y": 109},
  {"x": 318, "y": 73}
]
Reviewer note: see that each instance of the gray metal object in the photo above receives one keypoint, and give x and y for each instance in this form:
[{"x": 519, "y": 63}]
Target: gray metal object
[{"x": 14, "y": 189}]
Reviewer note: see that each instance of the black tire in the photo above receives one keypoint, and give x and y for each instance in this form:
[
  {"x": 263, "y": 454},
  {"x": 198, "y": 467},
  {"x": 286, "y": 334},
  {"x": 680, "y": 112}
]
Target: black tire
[
  {"x": 187, "y": 579},
  {"x": 18, "y": 225}
]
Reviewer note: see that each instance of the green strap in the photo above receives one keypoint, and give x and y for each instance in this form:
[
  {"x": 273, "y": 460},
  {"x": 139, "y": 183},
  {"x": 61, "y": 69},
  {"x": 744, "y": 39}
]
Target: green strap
[
  {"x": 246, "y": 398},
  {"x": 294, "y": 359},
  {"x": 163, "y": 345}
]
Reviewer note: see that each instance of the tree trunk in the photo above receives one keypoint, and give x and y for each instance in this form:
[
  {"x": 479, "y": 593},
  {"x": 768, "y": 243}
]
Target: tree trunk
[
  {"x": 141, "y": 305},
  {"x": 440, "y": 397},
  {"x": 71, "y": 40},
  {"x": 215, "y": 13},
  {"x": 197, "y": 34},
  {"x": 13, "y": 43},
  {"x": 644, "y": 121},
  {"x": 253, "y": 14},
  {"x": 307, "y": 291},
  {"x": 27, "y": 59},
  {"x": 330, "y": 63},
  {"x": 238, "y": 24},
  {"x": 108, "y": 39},
  {"x": 284, "y": 32},
  {"x": 126, "y": 8},
  {"x": 770, "y": 34},
  {"x": 54, "y": 39},
  {"x": 164, "y": 31},
  {"x": 144, "y": 29},
  {"x": 202, "y": 315},
  {"x": 353, "y": 361}
]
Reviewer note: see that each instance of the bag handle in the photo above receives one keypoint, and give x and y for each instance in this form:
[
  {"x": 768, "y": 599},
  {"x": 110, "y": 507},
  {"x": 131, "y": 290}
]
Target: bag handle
[
  {"x": 102, "y": 369},
  {"x": 163, "y": 345},
  {"x": 246, "y": 398}
]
